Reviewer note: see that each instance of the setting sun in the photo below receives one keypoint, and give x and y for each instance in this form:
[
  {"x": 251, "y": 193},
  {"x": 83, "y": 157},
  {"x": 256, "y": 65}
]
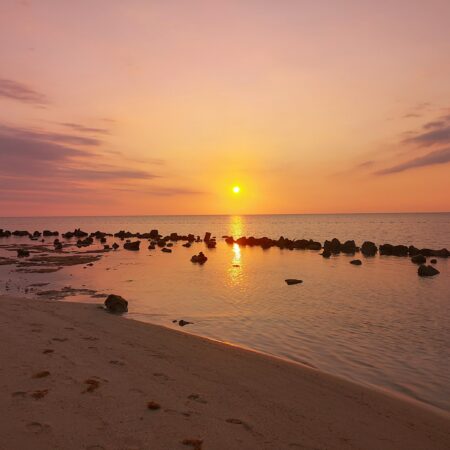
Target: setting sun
[{"x": 236, "y": 189}]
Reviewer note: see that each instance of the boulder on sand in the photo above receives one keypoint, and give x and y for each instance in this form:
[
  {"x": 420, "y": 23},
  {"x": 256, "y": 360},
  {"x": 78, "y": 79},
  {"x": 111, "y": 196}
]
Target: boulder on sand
[
  {"x": 116, "y": 304},
  {"x": 132, "y": 245},
  {"x": 427, "y": 271},
  {"x": 290, "y": 281}
]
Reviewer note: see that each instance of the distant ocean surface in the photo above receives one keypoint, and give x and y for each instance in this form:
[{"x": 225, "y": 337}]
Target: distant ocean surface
[
  {"x": 419, "y": 229},
  {"x": 378, "y": 324}
]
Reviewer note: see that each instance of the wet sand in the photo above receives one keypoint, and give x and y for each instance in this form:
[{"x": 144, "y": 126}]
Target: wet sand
[{"x": 75, "y": 377}]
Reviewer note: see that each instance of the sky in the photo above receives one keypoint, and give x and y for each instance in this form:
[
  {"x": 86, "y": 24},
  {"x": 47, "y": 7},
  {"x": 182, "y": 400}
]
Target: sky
[{"x": 144, "y": 107}]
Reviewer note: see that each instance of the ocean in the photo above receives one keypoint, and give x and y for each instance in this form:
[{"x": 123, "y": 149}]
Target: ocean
[{"x": 378, "y": 323}]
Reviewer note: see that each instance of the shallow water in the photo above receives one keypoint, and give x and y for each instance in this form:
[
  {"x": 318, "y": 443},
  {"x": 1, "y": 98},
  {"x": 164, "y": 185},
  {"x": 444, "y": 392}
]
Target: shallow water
[{"x": 378, "y": 324}]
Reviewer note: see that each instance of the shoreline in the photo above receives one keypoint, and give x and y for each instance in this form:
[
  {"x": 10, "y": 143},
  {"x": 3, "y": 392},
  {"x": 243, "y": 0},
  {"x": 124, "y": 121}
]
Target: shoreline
[{"x": 225, "y": 395}]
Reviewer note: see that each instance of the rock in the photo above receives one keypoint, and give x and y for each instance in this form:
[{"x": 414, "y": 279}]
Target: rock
[
  {"x": 22, "y": 253},
  {"x": 207, "y": 237},
  {"x": 394, "y": 250},
  {"x": 116, "y": 304},
  {"x": 290, "y": 281},
  {"x": 166, "y": 250},
  {"x": 132, "y": 245},
  {"x": 349, "y": 247},
  {"x": 326, "y": 253},
  {"x": 427, "y": 271},
  {"x": 356, "y": 262},
  {"x": 211, "y": 243},
  {"x": 313, "y": 245},
  {"x": 199, "y": 259},
  {"x": 115, "y": 246},
  {"x": 419, "y": 259},
  {"x": 151, "y": 246},
  {"x": 20, "y": 233},
  {"x": 369, "y": 249},
  {"x": 183, "y": 323},
  {"x": 106, "y": 247},
  {"x": 154, "y": 234},
  {"x": 433, "y": 261},
  {"x": 187, "y": 245}
]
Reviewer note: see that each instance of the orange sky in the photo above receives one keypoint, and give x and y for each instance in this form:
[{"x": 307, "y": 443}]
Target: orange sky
[{"x": 161, "y": 107}]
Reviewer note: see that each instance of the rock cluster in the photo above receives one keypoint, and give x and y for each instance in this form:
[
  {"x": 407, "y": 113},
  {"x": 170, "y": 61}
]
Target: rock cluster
[{"x": 199, "y": 259}]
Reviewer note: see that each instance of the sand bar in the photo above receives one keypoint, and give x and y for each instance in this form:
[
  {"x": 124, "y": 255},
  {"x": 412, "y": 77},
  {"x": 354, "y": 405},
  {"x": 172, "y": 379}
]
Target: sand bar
[{"x": 75, "y": 377}]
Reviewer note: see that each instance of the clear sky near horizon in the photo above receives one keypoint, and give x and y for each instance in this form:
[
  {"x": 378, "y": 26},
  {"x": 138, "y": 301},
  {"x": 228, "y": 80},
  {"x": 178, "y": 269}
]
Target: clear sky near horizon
[{"x": 162, "y": 107}]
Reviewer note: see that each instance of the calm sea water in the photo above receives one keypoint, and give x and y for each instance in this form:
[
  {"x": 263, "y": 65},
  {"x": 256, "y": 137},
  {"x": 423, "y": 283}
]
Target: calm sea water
[{"x": 378, "y": 324}]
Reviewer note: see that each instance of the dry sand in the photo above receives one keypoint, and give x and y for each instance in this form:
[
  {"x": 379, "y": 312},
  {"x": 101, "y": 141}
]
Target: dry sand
[{"x": 75, "y": 377}]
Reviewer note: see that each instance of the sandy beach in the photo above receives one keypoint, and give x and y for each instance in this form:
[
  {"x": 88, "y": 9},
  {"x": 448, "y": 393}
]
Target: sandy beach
[{"x": 76, "y": 377}]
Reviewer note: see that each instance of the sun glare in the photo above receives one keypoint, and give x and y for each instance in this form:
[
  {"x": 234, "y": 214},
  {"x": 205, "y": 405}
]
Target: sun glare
[{"x": 236, "y": 189}]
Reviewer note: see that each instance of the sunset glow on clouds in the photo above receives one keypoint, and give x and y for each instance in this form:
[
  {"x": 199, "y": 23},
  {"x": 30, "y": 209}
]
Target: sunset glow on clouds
[{"x": 161, "y": 107}]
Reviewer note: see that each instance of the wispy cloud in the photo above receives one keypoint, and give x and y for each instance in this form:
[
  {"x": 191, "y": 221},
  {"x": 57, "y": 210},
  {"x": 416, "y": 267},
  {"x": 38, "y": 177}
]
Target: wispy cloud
[
  {"x": 84, "y": 129},
  {"x": 13, "y": 90},
  {"x": 433, "y": 135},
  {"x": 431, "y": 159}
]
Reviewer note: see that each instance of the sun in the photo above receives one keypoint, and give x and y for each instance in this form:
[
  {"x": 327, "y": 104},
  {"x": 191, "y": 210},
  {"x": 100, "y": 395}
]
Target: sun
[{"x": 236, "y": 189}]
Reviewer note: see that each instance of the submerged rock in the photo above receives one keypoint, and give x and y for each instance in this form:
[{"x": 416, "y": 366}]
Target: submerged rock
[
  {"x": 427, "y": 271},
  {"x": 290, "y": 281},
  {"x": 183, "y": 323},
  {"x": 326, "y": 253},
  {"x": 356, "y": 262},
  {"x": 116, "y": 304},
  {"x": 166, "y": 250}
]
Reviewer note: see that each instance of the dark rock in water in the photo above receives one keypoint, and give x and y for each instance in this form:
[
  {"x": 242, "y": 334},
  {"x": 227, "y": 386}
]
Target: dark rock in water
[
  {"x": 419, "y": 259},
  {"x": 229, "y": 240},
  {"x": 166, "y": 250},
  {"x": 427, "y": 271},
  {"x": 116, "y": 304},
  {"x": 394, "y": 250},
  {"x": 58, "y": 245},
  {"x": 22, "y": 253},
  {"x": 106, "y": 247},
  {"x": 412, "y": 251},
  {"x": 369, "y": 249},
  {"x": 132, "y": 245},
  {"x": 20, "y": 233},
  {"x": 211, "y": 243},
  {"x": 161, "y": 243},
  {"x": 5, "y": 233},
  {"x": 85, "y": 242},
  {"x": 356, "y": 262},
  {"x": 115, "y": 246},
  {"x": 103, "y": 240},
  {"x": 174, "y": 321},
  {"x": 48, "y": 233},
  {"x": 313, "y": 245},
  {"x": 169, "y": 244},
  {"x": 36, "y": 234},
  {"x": 433, "y": 261},
  {"x": 199, "y": 259},
  {"x": 187, "y": 245},
  {"x": 183, "y": 323},
  {"x": 154, "y": 234},
  {"x": 326, "y": 253},
  {"x": 207, "y": 237},
  {"x": 290, "y": 281},
  {"x": 349, "y": 247},
  {"x": 152, "y": 246}
]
